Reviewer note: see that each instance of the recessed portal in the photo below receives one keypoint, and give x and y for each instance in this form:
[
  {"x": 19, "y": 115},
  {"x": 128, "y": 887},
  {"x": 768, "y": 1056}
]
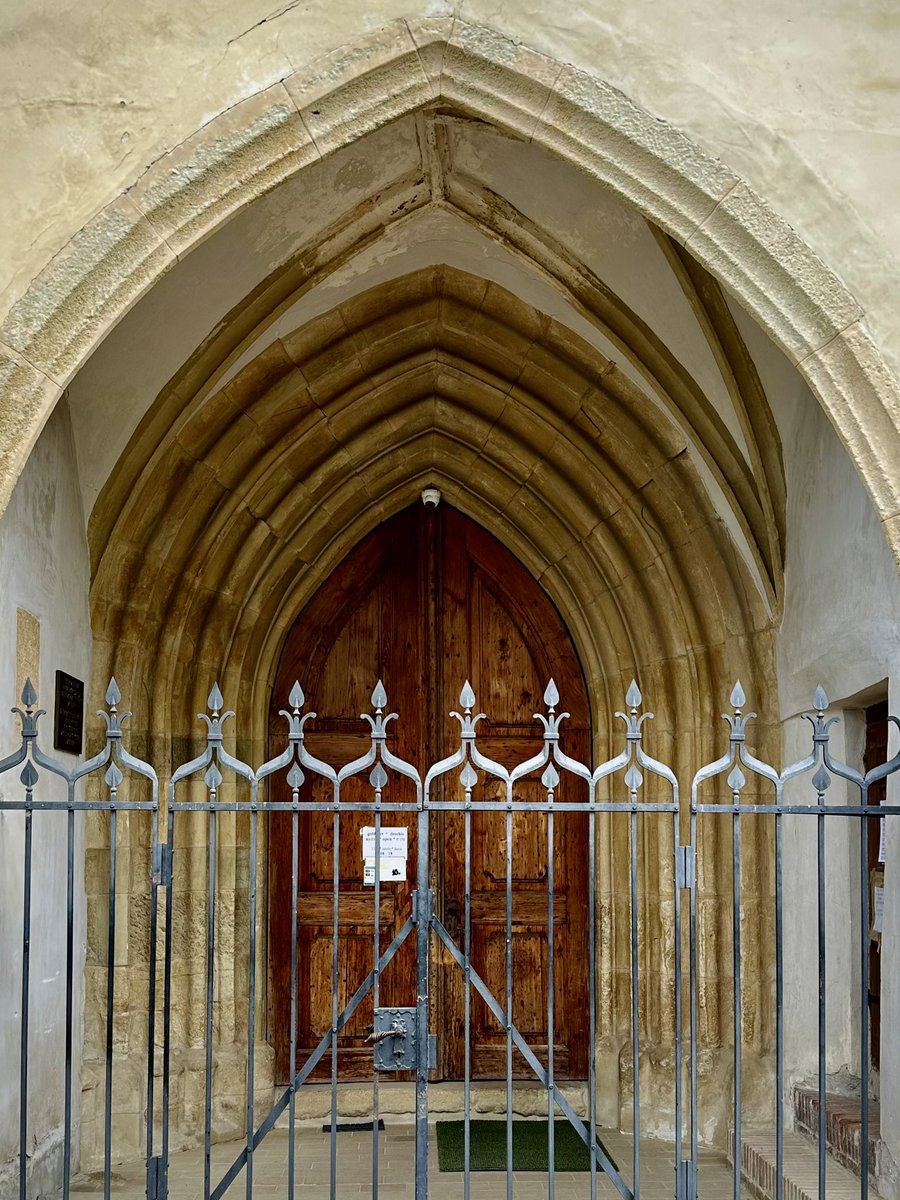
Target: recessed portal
[{"x": 426, "y": 601}]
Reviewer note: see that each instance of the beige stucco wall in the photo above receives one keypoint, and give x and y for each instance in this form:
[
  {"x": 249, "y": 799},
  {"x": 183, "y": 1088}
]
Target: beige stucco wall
[
  {"x": 43, "y": 552},
  {"x": 801, "y": 100}
]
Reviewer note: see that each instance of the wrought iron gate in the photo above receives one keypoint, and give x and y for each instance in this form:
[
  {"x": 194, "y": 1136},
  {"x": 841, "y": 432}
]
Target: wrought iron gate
[{"x": 631, "y": 787}]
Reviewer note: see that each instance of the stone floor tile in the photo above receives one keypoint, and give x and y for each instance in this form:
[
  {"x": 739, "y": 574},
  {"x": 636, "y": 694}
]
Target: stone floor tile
[{"x": 397, "y": 1171}]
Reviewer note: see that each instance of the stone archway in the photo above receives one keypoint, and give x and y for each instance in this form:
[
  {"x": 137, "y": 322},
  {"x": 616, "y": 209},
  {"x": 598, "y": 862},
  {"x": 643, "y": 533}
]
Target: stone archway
[
  {"x": 248, "y": 150},
  {"x": 210, "y": 541}
]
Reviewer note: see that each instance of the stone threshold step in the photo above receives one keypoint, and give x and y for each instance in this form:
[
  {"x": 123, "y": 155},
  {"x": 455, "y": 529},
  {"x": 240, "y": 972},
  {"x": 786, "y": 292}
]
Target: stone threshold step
[
  {"x": 800, "y": 1169},
  {"x": 843, "y": 1126}
]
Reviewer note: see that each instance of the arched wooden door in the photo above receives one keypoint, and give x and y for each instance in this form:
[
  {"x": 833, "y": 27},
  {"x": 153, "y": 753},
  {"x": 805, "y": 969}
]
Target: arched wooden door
[{"x": 426, "y": 601}]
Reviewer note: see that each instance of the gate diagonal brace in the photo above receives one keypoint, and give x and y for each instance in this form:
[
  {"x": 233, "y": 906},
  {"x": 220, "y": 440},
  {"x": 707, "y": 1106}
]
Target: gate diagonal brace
[{"x": 528, "y": 1054}]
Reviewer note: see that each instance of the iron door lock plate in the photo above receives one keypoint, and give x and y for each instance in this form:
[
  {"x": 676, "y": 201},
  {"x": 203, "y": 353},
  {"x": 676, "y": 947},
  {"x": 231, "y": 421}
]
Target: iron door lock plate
[{"x": 395, "y": 1039}]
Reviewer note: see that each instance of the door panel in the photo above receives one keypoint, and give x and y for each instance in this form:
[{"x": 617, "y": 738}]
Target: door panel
[
  {"x": 510, "y": 643},
  {"x": 424, "y": 603},
  {"x": 364, "y": 624}
]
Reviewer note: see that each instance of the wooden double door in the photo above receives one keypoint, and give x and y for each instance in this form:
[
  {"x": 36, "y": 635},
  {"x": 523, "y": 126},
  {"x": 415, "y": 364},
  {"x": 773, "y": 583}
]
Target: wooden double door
[{"x": 426, "y": 601}]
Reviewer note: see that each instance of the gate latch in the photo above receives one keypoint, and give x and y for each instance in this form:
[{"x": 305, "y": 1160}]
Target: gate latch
[{"x": 395, "y": 1041}]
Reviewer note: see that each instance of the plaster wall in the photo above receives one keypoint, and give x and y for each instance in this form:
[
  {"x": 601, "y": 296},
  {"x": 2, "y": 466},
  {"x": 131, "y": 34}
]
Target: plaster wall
[
  {"x": 842, "y": 910},
  {"x": 841, "y": 624},
  {"x": 840, "y": 629},
  {"x": 43, "y": 561},
  {"x": 800, "y": 100}
]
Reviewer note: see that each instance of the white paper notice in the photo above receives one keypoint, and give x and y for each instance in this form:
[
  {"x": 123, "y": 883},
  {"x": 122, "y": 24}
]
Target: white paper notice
[
  {"x": 878, "y": 907},
  {"x": 881, "y": 840},
  {"x": 393, "y": 842},
  {"x": 393, "y": 870}
]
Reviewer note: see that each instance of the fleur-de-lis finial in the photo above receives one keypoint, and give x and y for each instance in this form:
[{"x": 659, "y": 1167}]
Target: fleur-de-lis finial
[
  {"x": 819, "y": 724},
  {"x": 738, "y": 719},
  {"x": 215, "y": 702},
  {"x": 295, "y": 721},
  {"x": 381, "y": 720},
  {"x": 27, "y": 713},
  {"x": 114, "y": 719},
  {"x": 467, "y": 721},
  {"x": 633, "y": 722},
  {"x": 552, "y": 721}
]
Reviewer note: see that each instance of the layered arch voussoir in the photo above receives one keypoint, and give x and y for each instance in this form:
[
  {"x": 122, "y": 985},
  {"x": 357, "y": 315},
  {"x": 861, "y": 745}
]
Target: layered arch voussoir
[{"x": 255, "y": 492}]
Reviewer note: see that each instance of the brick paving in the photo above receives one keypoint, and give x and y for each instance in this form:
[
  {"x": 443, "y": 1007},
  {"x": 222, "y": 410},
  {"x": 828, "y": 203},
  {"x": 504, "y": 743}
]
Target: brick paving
[
  {"x": 801, "y": 1169},
  {"x": 843, "y": 1126}
]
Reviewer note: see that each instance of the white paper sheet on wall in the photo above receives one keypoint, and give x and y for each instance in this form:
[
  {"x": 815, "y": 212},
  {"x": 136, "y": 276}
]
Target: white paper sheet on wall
[
  {"x": 392, "y": 870},
  {"x": 393, "y": 842},
  {"x": 877, "y": 909}
]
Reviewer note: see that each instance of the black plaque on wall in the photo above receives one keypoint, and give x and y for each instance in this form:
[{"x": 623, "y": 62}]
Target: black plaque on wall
[{"x": 68, "y": 713}]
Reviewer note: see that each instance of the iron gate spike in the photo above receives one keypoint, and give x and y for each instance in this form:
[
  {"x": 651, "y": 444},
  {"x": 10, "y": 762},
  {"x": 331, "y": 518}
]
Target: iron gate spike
[{"x": 736, "y": 766}]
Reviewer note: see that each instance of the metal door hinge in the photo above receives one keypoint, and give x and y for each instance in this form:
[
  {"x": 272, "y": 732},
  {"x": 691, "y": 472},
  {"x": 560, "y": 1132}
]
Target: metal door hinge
[
  {"x": 157, "y": 1179},
  {"x": 684, "y": 866},
  {"x": 686, "y": 1182},
  {"x": 161, "y": 864}
]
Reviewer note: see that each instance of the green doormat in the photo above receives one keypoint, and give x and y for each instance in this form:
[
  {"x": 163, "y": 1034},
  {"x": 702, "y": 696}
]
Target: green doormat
[{"x": 487, "y": 1146}]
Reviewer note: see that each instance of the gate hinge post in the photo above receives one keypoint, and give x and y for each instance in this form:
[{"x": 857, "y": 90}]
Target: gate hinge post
[
  {"x": 161, "y": 865},
  {"x": 686, "y": 1180},
  {"x": 423, "y": 912},
  {"x": 684, "y": 866},
  {"x": 157, "y": 1179}
]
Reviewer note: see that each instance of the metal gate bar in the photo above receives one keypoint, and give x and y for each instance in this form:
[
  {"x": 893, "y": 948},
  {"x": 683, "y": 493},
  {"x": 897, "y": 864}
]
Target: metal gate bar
[
  {"x": 821, "y": 766},
  {"x": 120, "y": 783},
  {"x": 117, "y": 760}
]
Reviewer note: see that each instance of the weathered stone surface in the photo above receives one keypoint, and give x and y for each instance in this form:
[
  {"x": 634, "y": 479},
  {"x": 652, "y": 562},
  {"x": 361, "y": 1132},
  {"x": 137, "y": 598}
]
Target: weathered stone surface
[
  {"x": 646, "y": 161},
  {"x": 86, "y": 288},
  {"x": 250, "y": 149},
  {"x": 356, "y": 89},
  {"x": 484, "y": 71},
  {"x": 794, "y": 295},
  {"x": 26, "y": 397}
]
